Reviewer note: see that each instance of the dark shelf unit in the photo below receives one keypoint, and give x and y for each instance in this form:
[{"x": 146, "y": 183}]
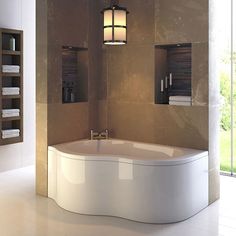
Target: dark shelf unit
[
  {"x": 75, "y": 63},
  {"x": 9, "y": 52},
  {"x": 173, "y": 71},
  {"x": 11, "y": 57}
]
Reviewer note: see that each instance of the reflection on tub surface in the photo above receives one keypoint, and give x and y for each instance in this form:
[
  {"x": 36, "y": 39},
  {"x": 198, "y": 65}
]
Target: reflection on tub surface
[
  {"x": 73, "y": 170},
  {"x": 125, "y": 170}
]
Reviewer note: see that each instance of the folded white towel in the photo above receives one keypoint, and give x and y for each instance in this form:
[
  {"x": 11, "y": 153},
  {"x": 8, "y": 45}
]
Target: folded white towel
[
  {"x": 6, "y": 111},
  {"x": 10, "y": 68},
  {"x": 10, "y": 91},
  {"x": 6, "y": 115},
  {"x": 10, "y": 136},
  {"x": 177, "y": 103},
  {"x": 11, "y": 71},
  {"x": 10, "y": 131},
  {"x": 180, "y": 98}
]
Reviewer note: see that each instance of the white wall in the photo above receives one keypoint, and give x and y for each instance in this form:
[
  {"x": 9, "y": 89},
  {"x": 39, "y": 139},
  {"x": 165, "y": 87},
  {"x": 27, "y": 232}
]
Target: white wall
[{"x": 20, "y": 14}]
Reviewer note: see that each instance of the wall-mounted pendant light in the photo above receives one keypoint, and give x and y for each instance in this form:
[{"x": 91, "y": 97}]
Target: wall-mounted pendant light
[{"x": 115, "y": 24}]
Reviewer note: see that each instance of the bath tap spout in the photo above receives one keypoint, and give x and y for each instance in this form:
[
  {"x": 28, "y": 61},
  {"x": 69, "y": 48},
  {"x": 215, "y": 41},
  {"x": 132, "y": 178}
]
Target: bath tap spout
[
  {"x": 93, "y": 134},
  {"x": 104, "y": 134},
  {"x": 99, "y": 135}
]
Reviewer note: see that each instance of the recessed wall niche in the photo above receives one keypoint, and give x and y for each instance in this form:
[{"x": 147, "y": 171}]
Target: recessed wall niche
[
  {"x": 173, "y": 71},
  {"x": 74, "y": 74}
]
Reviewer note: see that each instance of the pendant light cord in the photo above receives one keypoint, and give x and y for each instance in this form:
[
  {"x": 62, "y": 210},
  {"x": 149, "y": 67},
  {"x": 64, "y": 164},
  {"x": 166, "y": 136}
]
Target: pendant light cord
[{"x": 114, "y": 3}]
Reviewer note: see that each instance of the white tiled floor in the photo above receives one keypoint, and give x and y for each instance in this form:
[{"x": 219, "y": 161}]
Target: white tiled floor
[{"x": 22, "y": 213}]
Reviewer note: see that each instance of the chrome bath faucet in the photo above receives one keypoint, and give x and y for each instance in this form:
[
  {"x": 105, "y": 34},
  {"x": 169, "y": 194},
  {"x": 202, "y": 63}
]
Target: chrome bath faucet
[{"x": 99, "y": 135}]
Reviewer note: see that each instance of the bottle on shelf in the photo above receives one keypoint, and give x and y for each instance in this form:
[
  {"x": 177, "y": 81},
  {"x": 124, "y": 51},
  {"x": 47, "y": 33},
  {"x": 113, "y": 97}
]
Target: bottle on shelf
[{"x": 12, "y": 43}]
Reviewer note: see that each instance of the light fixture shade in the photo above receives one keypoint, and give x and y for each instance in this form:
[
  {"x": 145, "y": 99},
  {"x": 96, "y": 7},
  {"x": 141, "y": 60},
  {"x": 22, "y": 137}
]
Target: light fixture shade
[{"x": 115, "y": 25}]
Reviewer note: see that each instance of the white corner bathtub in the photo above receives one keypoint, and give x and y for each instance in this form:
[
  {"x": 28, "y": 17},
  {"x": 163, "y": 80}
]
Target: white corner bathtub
[{"x": 137, "y": 181}]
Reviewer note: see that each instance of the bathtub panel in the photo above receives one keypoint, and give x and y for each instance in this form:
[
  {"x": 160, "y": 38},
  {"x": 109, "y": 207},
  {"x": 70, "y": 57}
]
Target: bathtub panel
[
  {"x": 151, "y": 194},
  {"x": 52, "y": 174}
]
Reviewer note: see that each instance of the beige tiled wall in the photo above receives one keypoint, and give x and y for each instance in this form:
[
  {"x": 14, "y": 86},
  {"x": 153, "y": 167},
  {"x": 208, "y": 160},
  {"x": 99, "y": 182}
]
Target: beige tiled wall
[
  {"x": 130, "y": 73},
  {"x": 130, "y": 111},
  {"x": 41, "y": 98},
  {"x": 64, "y": 23},
  {"x": 121, "y": 79},
  {"x": 67, "y": 122},
  {"x": 170, "y": 125},
  {"x": 181, "y": 21}
]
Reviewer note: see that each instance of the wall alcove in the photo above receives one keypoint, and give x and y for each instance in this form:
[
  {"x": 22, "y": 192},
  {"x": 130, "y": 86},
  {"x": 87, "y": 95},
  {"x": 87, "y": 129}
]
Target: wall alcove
[
  {"x": 173, "y": 71},
  {"x": 74, "y": 74}
]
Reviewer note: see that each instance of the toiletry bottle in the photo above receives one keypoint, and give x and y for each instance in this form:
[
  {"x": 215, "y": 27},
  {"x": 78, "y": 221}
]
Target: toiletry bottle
[
  {"x": 72, "y": 96},
  {"x": 12, "y": 44},
  {"x": 63, "y": 94}
]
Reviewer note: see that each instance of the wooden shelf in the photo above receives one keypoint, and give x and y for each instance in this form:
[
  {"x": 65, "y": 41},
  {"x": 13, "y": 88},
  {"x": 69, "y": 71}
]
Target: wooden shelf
[
  {"x": 11, "y": 96},
  {"x": 10, "y": 118},
  {"x": 10, "y": 57},
  {"x": 10, "y": 74},
  {"x": 11, "y": 140},
  {"x": 10, "y": 31},
  {"x": 10, "y": 52}
]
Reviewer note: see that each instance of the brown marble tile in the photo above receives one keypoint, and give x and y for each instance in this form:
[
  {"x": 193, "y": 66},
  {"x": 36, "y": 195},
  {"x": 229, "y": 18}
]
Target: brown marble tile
[
  {"x": 131, "y": 74},
  {"x": 41, "y": 128},
  {"x": 214, "y": 136},
  {"x": 54, "y": 78},
  {"x": 68, "y": 22},
  {"x": 140, "y": 21},
  {"x": 41, "y": 178},
  {"x": 67, "y": 122},
  {"x": 102, "y": 115},
  {"x": 95, "y": 51},
  {"x": 103, "y": 81},
  {"x": 41, "y": 148},
  {"x": 214, "y": 185},
  {"x": 41, "y": 48},
  {"x": 168, "y": 125},
  {"x": 181, "y": 21},
  {"x": 93, "y": 114},
  {"x": 200, "y": 74}
]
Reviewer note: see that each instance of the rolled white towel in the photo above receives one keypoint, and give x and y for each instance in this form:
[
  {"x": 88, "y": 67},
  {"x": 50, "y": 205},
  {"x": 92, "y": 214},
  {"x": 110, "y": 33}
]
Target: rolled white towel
[
  {"x": 180, "y": 98},
  {"x": 177, "y": 103}
]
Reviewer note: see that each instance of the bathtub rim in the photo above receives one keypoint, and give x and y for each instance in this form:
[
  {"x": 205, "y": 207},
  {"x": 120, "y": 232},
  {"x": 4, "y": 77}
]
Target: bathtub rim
[{"x": 121, "y": 158}]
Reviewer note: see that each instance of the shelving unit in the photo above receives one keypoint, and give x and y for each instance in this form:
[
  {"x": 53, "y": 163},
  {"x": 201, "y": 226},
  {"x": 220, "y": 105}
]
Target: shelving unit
[
  {"x": 173, "y": 71},
  {"x": 75, "y": 62},
  {"x": 11, "y": 80}
]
